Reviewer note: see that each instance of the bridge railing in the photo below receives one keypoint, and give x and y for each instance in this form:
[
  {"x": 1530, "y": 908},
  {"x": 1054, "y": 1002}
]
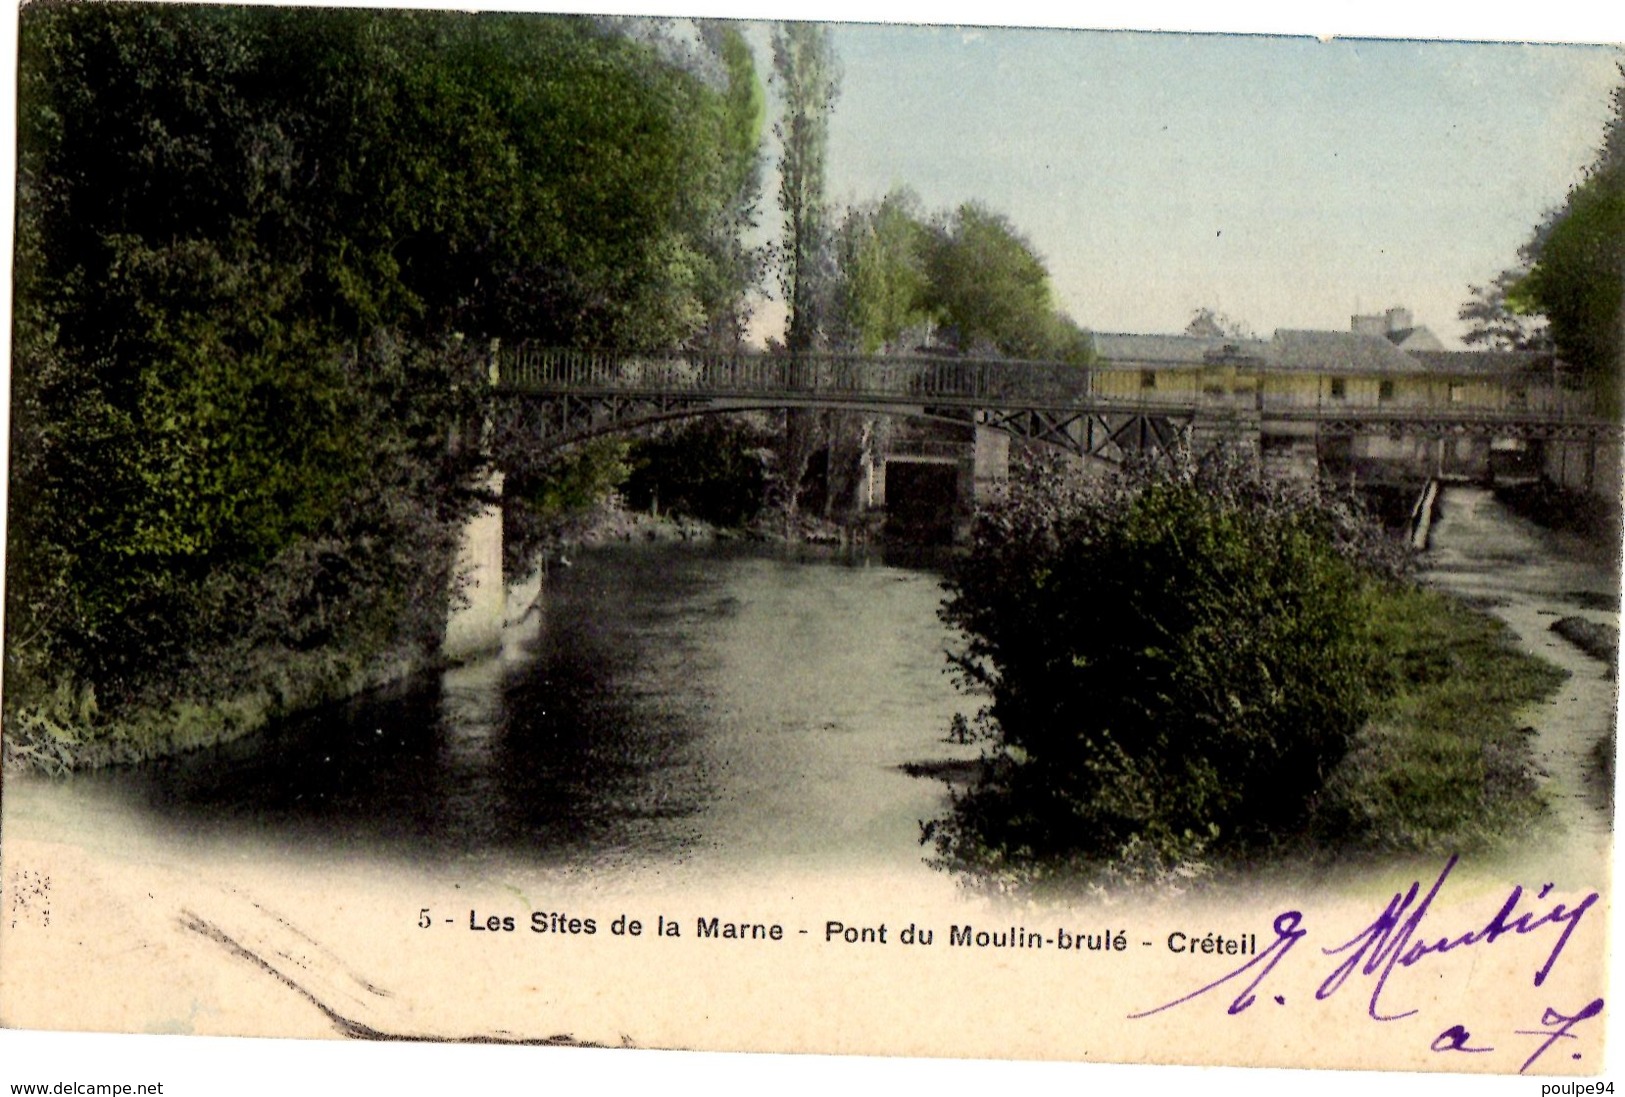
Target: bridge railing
[
  {"x": 836, "y": 376},
  {"x": 1560, "y": 401},
  {"x": 984, "y": 382}
]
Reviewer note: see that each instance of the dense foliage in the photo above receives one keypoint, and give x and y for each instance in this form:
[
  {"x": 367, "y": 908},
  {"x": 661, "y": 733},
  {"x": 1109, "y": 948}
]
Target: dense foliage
[
  {"x": 1571, "y": 272},
  {"x": 880, "y": 296},
  {"x": 966, "y": 281},
  {"x": 711, "y": 469},
  {"x": 987, "y": 285},
  {"x": 261, "y": 254},
  {"x": 1172, "y": 658},
  {"x": 1577, "y": 275}
]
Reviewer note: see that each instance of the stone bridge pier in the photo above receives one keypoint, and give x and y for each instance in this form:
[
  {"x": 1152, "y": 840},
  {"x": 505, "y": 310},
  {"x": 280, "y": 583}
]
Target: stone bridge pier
[
  {"x": 490, "y": 611},
  {"x": 475, "y": 618}
]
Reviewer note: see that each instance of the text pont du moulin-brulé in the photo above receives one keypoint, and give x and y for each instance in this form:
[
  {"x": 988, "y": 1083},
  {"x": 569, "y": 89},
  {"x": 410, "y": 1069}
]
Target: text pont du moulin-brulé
[{"x": 968, "y": 936}]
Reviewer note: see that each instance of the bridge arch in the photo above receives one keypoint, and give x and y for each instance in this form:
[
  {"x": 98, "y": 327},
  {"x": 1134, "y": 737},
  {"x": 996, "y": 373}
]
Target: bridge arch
[{"x": 554, "y": 420}]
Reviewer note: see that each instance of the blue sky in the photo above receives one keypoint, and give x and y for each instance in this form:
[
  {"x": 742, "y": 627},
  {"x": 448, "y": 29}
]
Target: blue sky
[{"x": 1285, "y": 181}]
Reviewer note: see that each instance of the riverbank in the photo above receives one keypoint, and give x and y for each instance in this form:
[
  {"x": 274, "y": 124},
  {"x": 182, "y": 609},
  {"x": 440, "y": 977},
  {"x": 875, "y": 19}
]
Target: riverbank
[
  {"x": 1587, "y": 517},
  {"x": 65, "y": 731},
  {"x": 613, "y": 523},
  {"x": 1444, "y": 765}
]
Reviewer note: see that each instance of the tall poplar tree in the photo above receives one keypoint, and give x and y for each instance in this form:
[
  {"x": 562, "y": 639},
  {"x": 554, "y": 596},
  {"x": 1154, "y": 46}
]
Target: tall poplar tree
[{"x": 805, "y": 67}]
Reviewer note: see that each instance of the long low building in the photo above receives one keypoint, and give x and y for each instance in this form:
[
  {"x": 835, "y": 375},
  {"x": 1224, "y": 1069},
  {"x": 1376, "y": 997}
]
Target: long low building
[
  {"x": 1328, "y": 369},
  {"x": 1292, "y": 387}
]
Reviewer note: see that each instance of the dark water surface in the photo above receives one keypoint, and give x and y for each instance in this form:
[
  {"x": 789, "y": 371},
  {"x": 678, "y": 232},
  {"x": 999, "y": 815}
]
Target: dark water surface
[
  {"x": 671, "y": 705},
  {"x": 739, "y": 710}
]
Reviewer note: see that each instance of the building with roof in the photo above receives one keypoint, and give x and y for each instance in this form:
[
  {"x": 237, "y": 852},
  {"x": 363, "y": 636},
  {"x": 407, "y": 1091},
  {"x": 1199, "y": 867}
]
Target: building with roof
[{"x": 1383, "y": 361}]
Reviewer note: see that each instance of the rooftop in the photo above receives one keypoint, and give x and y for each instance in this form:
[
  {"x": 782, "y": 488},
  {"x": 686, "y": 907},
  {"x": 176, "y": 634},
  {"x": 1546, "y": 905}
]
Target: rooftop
[{"x": 1173, "y": 349}]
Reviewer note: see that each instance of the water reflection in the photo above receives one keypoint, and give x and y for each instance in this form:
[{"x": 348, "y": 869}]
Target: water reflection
[{"x": 720, "y": 705}]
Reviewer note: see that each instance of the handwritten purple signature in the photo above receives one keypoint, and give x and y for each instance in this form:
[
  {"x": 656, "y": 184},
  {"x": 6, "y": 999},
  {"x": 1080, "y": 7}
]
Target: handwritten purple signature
[{"x": 1395, "y": 942}]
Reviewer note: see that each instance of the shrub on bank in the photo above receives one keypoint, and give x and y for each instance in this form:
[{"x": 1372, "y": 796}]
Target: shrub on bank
[
  {"x": 1184, "y": 664},
  {"x": 1172, "y": 657}
]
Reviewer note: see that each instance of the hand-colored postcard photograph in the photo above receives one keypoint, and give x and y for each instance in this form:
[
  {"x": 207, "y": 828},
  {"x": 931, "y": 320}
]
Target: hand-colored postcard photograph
[{"x": 782, "y": 536}]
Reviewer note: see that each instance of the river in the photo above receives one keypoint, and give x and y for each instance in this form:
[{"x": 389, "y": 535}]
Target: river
[
  {"x": 680, "y": 733},
  {"x": 1530, "y": 577},
  {"x": 706, "y": 711},
  {"x": 725, "y": 711}
]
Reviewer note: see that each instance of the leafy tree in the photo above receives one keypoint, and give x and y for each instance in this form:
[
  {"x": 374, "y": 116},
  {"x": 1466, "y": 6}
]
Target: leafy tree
[
  {"x": 990, "y": 290},
  {"x": 1171, "y": 657},
  {"x": 882, "y": 284},
  {"x": 970, "y": 273},
  {"x": 1577, "y": 267},
  {"x": 1578, "y": 281},
  {"x": 809, "y": 81},
  {"x": 259, "y": 255},
  {"x": 1494, "y": 324},
  {"x": 576, "y": 481},
  {"x": 1065, "y": 340}
]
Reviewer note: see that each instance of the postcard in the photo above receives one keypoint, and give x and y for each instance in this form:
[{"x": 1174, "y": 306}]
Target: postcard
[{"x": 557, "y": 539}]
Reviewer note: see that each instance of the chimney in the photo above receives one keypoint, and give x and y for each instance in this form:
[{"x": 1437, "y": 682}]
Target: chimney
[
  {"x": 1369, "y": 325},
  {"x": 1399, "y": 320}
]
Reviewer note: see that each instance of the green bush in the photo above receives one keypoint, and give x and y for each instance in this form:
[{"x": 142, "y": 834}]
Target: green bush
[
  {"x": 1173, "y": 658},
  {"x": 709, "y": 468}
]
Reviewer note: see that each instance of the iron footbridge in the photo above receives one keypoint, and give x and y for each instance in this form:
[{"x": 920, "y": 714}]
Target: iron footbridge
[{"x": 1102, "y": 410}]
